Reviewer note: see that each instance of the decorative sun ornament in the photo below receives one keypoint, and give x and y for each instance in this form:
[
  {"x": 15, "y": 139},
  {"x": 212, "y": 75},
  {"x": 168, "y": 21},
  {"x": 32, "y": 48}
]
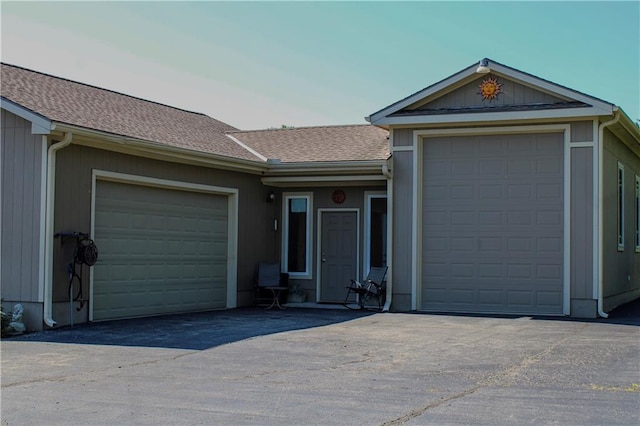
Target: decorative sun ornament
[{"x": 490, "y": 89}]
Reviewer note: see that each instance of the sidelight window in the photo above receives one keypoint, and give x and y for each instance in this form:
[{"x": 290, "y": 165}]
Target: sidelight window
[{"x": 297, "y": 234}]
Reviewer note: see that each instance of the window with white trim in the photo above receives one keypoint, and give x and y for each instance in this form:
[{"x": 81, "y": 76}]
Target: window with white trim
[
  {"x": 620, "y": 206},
  {"x": 376, "y": 237},
  {"x": 297, "y": 214},
  {"x": 637, "y": 205}
]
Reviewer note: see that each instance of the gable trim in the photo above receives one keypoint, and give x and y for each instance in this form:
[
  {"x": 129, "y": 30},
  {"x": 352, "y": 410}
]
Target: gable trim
[
  {"x": 40, "y": 125},
  {"x": 485, "y": 117},
  {"x": 457, "y": 80}
]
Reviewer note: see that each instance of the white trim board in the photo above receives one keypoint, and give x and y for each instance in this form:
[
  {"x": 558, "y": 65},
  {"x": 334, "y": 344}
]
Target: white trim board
[
  {"x": 232, "y": 220},
  {"x": 308, "y": 274},
  {"x": 39, "y": 124},
  {"x": 368, "y": 196}
]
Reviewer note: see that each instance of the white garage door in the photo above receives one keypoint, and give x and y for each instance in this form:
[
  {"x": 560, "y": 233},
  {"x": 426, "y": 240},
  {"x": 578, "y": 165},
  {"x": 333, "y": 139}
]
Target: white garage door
[
  {"x": 493, "y": 224},
  {"x": 161, "y": 251}
]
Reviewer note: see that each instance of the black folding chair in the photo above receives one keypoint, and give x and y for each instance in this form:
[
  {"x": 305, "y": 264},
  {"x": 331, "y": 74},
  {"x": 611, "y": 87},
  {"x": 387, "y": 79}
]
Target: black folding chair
[{"x": 371, "y": 288}]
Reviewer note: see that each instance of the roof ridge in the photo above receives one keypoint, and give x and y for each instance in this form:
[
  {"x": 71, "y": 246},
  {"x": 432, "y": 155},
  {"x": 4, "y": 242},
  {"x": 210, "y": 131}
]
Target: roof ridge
[
  {"x": 275, "y": 129},
  {"x": 108, "y": 90}
]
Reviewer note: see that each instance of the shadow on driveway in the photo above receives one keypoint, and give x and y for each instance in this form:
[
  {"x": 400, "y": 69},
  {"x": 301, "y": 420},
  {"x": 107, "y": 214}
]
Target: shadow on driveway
[{"x": 196, "y": 331}]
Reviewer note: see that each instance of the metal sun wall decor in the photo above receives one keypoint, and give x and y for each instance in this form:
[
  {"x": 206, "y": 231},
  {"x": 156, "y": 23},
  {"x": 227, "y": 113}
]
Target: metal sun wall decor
[{"x": 490, "y": 89}]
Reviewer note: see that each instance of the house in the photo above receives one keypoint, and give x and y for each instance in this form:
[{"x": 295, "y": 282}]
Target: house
[
  {"x": 512, "y": 194},
  {"x": 492, "y": 191}
]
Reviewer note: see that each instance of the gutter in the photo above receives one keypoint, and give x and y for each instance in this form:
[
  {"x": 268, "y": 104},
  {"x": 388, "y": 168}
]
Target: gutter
[
  {"x": 176, "y": 153},
  {"x": 616, "y": 118},
  {"x": 49, "y": 213},
  {"x": 387, "y": 174}
]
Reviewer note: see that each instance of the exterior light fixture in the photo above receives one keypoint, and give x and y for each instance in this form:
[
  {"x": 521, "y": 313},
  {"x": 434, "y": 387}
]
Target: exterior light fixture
[
  {"x": 271, "y": 197},
  {"x": 483, "y": 67}
]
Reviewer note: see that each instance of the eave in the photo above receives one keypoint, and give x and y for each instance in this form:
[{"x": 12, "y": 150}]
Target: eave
[
  {"x": 40, "y": 125},
  {"x": 158, "y": 151},
  {"x": 343, "y": 173},
  {"x": 493, "y": 117}
]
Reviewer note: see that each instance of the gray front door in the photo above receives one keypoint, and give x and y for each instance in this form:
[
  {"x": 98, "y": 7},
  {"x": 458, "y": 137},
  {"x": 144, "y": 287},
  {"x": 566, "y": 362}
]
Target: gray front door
[{"x": 339, "y": 251}]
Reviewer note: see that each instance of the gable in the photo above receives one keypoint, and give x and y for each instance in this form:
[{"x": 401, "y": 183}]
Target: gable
[
  {"x": 522, "y": 96},
  {"x": 511, "y": 96}
]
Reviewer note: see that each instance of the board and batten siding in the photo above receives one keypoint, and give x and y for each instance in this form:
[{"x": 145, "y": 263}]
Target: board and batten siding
[
  {"x": 621, "y": 268},
  {"x": 257, "y": 240},
  {"x": 512, "y": 93},
  {"x": 22, "y": 156},
  {"x": 583, "y": 303},
  {"x": 403, "y": 231}
]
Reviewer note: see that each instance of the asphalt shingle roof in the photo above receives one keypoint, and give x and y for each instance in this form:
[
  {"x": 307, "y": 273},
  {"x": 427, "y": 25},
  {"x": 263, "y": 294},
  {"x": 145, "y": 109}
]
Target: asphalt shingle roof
[
  {"x": 90, "y": 107},
  {"x": 319, "y": 144},
  {"x": 82, "y": 105}
]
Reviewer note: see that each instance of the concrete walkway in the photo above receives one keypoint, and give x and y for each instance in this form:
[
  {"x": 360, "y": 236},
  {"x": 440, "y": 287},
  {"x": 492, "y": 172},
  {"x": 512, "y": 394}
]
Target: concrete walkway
[{"x": 330, "y": 367}]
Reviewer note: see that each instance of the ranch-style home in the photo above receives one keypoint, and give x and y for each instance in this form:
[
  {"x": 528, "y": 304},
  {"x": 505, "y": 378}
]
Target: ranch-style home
[{"x": 492, "y": 191}]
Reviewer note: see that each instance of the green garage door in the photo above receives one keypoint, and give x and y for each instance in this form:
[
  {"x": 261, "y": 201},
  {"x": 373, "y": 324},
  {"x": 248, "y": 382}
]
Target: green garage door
[{"x": 161, "y": 251}]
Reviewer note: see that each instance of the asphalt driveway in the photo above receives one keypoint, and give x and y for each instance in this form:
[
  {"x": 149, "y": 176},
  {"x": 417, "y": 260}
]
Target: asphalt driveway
[{"x": 251, "y": 366}]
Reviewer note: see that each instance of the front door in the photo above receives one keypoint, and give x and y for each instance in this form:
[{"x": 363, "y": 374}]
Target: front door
[{"x": 339, "y": 253}]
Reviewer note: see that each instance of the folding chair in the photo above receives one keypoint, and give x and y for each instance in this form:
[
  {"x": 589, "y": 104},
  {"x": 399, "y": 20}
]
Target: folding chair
[
  {"x": 270, "y": 278},
  {"x": 371, "y": 288}
]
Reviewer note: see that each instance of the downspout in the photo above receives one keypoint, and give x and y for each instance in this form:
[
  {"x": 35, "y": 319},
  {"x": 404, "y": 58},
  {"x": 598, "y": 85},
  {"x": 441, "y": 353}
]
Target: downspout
[
  {"x": 387, "y": 173},
  {"x": 49, "y": 212},
  {"x": 615, "y": 119}
]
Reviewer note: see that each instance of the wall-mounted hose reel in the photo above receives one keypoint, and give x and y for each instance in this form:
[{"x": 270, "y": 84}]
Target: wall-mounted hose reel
[{"x": 85, "y": 252}]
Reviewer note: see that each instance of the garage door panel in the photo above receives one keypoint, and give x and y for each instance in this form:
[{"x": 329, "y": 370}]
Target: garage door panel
[
  {"x": 492, "y": 224},
  {"x": 161, "y": 251}
]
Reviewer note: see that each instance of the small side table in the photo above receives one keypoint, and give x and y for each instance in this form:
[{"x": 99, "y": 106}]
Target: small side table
[{"x": 276, "y": 296}]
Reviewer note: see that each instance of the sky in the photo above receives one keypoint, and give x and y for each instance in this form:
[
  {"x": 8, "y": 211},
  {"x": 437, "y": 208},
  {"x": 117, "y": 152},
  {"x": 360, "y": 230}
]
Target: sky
[{"x": 257, "y": 65}]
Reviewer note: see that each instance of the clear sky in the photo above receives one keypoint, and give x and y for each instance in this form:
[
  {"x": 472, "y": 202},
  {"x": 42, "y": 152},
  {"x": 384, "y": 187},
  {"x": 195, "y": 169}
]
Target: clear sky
[{"x": 264, "y": 64}]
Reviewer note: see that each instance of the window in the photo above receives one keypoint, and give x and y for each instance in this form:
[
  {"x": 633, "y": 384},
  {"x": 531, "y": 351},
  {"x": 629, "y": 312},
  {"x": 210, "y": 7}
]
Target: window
[
  {"x": 297, "y": 234},
  {"x": 376, "y": 230},
  {"x": 620, "y": 206},
  {"x": 637, "y": 205}
]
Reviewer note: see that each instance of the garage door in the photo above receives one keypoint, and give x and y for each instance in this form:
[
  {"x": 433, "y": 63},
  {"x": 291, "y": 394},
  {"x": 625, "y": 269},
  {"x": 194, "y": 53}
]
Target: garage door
[
  {"x": 493, "y": 224},
  {"x": 161, "y": 251}
]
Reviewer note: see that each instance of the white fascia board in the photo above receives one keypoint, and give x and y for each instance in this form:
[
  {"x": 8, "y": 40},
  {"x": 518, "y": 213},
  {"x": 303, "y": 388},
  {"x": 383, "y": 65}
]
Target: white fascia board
[
  {"x": 307, "y": 181},
  {"x": 39, "y": 125},
  {"x": 481, "y": 117},
  {"x": 97, "y": 139},
  {"x": 336, "y": 167},
  {"x": 551, "y": 88}
]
